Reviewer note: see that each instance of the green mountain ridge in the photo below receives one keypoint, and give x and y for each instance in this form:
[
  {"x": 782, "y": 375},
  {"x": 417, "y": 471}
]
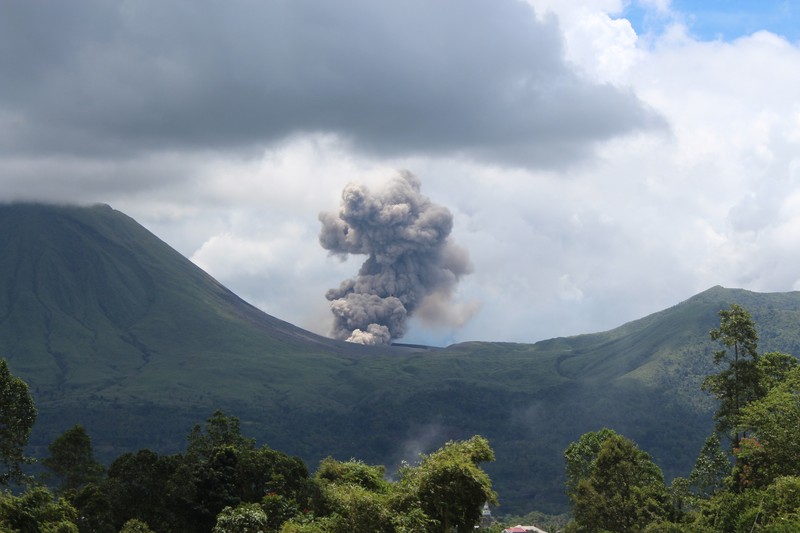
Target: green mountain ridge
[{"x": 115, "y": 330}]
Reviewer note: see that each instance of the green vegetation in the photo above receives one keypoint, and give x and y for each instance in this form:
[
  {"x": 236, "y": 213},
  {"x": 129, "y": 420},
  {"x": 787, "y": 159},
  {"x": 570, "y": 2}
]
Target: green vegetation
[
  {"x": 71, "y": 460},
  {"x": 738, "y": 384},
  {"x": 223, "y": 483},
  {"x": 614, "y": 486},
  {"x": 37, "y": 511},
  {"x": 115, "y": 331},
  {"x": 17, "y": 415}
]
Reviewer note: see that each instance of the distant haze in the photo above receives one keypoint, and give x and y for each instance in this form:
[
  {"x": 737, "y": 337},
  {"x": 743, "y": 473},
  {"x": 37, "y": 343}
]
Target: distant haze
[{"x": 411, "y": 261}]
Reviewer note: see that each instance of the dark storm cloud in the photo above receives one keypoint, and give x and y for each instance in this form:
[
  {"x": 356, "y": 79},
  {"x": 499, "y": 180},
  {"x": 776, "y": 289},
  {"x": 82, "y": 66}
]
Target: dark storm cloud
[
  {"x": 409, "y": 258},
  {"x": 483, "y": 78}
]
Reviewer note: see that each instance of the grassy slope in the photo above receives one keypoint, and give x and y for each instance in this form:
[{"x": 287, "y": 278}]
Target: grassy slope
[{"x": 115, "y": 330}]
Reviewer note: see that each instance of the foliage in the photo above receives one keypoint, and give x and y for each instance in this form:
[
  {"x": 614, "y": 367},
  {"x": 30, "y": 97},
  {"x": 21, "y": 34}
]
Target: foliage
[
  {"x": 738, "y": 331},
  {"x": 782, "y": 501},
  {"x": 147, "y": 487},
  {"x": 114, "y": 329},
  {"x": 187, "y": 492},
  {"x": 445, "y": 491},
  {"x": 352, "y": 472},
  {"x": 264, "y": 471},
  {"x": 774, "y": 508},
  {"x": 279, "y": 509},
  {"x": 580, "y": 457},
  {"x": 35, "y": 511},
  {"x": 17, "y": 415},
  {"x": 760, "y": 492},
  {"x": 245, "y": 518},
  {"x": 225, "y": 483},
  {"x": 615, "y": 487},
  {"x": 623, "y": 492},
  {"x": 354, "y": 496},
  {"x": 220, "y": 431},
  {"x": 774, "y": 368},
  {"x": 775, "y": 422},
  {"x": 135, "y": 526},
  {"x": 72, "y": 460},
  {"x": 710, "y": 469},
  {"x": 448, "y": 486},
  {"x": 303, "y": 525},
  {"x": 738, "y": 383},
  {"x": 94, "y": 508},
  {"x": 355, "y": 508},
  {"x": 683, "y": 501}
]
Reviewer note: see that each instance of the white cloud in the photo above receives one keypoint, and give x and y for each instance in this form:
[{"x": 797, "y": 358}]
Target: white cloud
[
  {"x": 656, "y": 218},
  {"x": 628, "y": 225},
  {"x": 602, "y": 45}
]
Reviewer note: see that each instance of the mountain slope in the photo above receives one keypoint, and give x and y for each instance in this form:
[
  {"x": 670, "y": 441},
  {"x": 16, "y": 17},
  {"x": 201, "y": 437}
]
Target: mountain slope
[
  {"x": 115, "y": 330},
  {"x": 641, "y": 379},
  {"x": 89, "y": 287},
  {"x": 94, "y": 307}
]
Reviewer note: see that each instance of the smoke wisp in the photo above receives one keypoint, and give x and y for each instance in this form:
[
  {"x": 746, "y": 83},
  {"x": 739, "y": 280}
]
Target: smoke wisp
[{"x": 410, "y": 259}]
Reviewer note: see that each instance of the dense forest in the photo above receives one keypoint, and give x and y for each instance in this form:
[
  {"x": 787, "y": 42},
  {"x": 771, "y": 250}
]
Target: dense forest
[{"x": 746, "y": 477}]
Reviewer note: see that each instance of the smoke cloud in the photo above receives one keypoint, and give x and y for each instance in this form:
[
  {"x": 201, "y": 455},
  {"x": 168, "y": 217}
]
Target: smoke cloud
[{"x": 411, "y": 262}]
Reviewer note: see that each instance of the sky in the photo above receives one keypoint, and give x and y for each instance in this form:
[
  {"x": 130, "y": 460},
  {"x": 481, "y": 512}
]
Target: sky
[{"x": 601, "y": 160}]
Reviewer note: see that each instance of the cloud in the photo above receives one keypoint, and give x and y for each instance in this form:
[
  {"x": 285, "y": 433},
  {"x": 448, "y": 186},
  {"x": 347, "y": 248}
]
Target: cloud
[
  {"x": 486, "y": 79},
  {"x": 597, "y": 166}
]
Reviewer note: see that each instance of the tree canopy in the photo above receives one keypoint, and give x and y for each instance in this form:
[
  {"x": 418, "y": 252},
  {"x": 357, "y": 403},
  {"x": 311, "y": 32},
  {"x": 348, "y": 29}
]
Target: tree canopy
[
  {"x": 225, "y": 482},
  {"x": 72, "y": 461},
  {"x": 738, "y": 383},
  {"x": 17, "y": 415},
  {"x": 619, "y": 488},
  {"x": 614, "y": 486}
]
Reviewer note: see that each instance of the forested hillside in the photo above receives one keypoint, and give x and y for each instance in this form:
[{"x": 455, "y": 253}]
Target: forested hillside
[
  {"x": 224, "y": 483},
  {"x": 613, "y": 485},
  {"x": 114, "y": 330}
]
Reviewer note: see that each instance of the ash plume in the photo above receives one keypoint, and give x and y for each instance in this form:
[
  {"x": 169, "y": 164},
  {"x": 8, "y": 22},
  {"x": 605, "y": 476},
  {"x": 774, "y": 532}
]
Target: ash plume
[{"x": 411, "y": 262}]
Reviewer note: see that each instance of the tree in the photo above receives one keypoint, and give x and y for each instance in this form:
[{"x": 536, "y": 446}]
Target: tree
[
  {"x": 215, "y": 486},
  {"x": 72, "y": 460},
  {"x": 94, "y": 509},
  {"x": 135, "y": 526},
  {"x": 355, "y": 495},
  {"x": 187, "y": 492},
  {"x": 141, "y": 485},
  {"x": 279, "y": 509},
  {"x": 220, "y": 430},
  {"x": 710, "y": 469},
  {"x": 580, "y": 456},
  {"x": 36, "y": 510},
  {"x": 781, "y": 507},
  {"x": 773, "y": 369},
  {"x": 775, "y": 422},
  {"x": 265, "y": 471},
  {"x": 444, "y": 492},
  {"x": 17, "y": 415},
  {"x": 212, "y": 463},
  {"x": 737, "y": 384},
  {"x": 624, "y": 491},
  {"x": 774, "y": 508},
  {"x": 244, "y": 518},
  {"x": 352, "y": 472},
  {"x": 448, "y": 486},
  {"x": 355, "y": 508}
]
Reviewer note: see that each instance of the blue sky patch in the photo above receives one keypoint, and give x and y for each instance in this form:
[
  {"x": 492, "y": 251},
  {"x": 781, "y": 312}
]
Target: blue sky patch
[{"x": 725, "y": 20}]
